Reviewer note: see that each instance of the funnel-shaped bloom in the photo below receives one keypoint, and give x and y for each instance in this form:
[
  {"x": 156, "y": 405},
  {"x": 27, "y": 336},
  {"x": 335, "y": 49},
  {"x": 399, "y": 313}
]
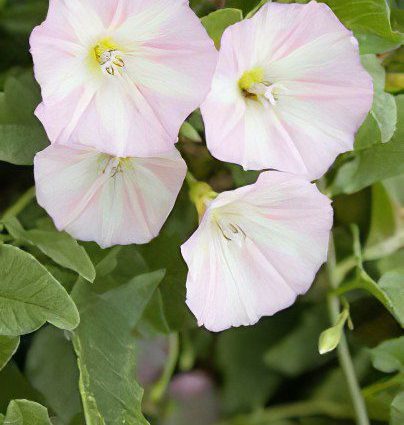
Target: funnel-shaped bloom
[
  {"x": 289, "y": 91},
  {"x": 256, "y": 249},
  {"x": 109, "y": 200},
  {"x": 120, "y": 75}
]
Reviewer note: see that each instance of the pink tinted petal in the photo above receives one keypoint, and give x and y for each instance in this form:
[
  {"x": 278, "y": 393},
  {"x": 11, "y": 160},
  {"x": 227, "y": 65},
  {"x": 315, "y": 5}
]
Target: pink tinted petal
[
  {"x": 235, "y": 282},
  {"x": 323, "y": 93},
  {"x": 169, "y": 61},
  {"x": 93, "y": 201}
]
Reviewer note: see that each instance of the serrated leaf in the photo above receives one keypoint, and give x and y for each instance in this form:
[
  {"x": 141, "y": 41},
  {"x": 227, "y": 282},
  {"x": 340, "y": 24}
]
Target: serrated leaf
[
  {"x": 59, "y": 246},
  {"x": 8, "y": 347},
  {"x": 24, "y": 412},
  {"x": 105, "y": 348},
  {"x": 216, "y": 22},
  {"x": 51, "y": 368},
  {"x": 30, "y": 295}
]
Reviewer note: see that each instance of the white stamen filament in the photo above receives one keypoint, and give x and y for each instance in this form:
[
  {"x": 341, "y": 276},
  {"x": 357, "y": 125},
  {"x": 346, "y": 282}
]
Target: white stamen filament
[
  {"x": 267, "y": 94},
  {"x": 110, "y": 60},
  {"x": 230, "y": 231}
]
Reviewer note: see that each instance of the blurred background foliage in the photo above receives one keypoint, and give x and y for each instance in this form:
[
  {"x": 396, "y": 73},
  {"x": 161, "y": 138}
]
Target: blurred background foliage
[{"x": 135, "y": 329}]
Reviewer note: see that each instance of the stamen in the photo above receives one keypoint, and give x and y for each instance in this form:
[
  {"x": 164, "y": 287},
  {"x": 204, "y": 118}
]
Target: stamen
[
  {"x": 113, "y": 165},
  {"x": 230, "y": 231},
  {"x": 254, "y": 87},
  {"x": 108, "y": 57}
]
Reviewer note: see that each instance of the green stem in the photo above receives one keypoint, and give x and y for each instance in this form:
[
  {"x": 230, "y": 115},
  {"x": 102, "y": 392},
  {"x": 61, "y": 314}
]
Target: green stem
[
  {"x": 187, "y": 356},
  {"x": 386, "y": 384},
  {"x": 344, "y": 355},
  {"x": 293, "y": 410},
  {"x": 160, "y": 387},
  {"x": 21, "y": 204},
  {"x": 343, "y": 268}
]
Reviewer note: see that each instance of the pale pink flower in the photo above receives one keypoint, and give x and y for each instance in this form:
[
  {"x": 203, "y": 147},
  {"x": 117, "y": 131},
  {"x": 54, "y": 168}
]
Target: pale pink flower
[
  {"x": 256, "y": 249},
  {"x": 289, "y": 91},
  {"x": 120, "y": 75},
  {"x": 109, "y": 200}
]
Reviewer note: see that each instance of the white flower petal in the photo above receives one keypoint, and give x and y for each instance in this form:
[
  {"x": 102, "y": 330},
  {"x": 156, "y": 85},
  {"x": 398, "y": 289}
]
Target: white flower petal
[
  {"x": 93, "y": 200},
  {"x": 281, "y": 229}
]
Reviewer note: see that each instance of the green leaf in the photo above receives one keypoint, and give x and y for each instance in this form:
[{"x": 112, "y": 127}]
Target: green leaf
[
  {"x": 59, "y": 246},
  {"x": 24, "y": 412},
  {"x": 15, "y": 386},
  {"x": 216, "y": 22},
  {"x": 368, "y": 134},
  {"x": 366, "y": 16},
  {"x": 8, "y": 347},
  {"x": 176, "y": 231},
  {"x": 296, "y": 352},
  {"x": 188, "y": 132},
  {"x": 389, "y": 290},
  {"x": 21, "y": 17},
  {"x": 388, "y": 357},
  {"x": 385, "y": 234},
  {"x": 248, "y": 381},
  {"x": 397, "y": 410},
  {"x": 30, "y": 295},
  {"x": 105, "y": 348},
  {"x": 369, "y": 19},
  {"x": 384, "y": 109},
  {"x": 371, "y": 43},
  {"x": 21, "y": 134},
  {"x": 373, "y": 164},
  {"x": 51, "y": 368}
]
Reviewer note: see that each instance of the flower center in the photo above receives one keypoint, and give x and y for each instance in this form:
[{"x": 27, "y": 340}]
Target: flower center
[
  {"x": 231, "y": 231},
  {"x": 112, "y": 165},
  {"x": 254, "y": 87},
  {"x": 109, "y": 57}
]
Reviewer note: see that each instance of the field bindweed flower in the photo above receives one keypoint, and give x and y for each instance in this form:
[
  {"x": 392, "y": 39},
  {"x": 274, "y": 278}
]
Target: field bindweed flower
[
  {"x": 256, "y": 249},
  {"x": 289, "y": 91},
  {"x": 109, "y": 200},
  {"x": 121, "y": 74}
]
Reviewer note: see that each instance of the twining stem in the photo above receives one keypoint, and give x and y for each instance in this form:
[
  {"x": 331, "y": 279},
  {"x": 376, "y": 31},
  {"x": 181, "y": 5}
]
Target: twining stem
[
  {"x": 21, "y": 204},
  {"x": 344, "y": 355},
  {"x": 160, "y": 388}
]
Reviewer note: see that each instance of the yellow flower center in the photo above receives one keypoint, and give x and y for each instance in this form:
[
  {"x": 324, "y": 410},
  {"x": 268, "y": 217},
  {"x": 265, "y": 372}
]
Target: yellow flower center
[
  {"x": 108, "y": 56},
  {"x": 253, "y": 86},
  {"x": 249, "y": 78}
]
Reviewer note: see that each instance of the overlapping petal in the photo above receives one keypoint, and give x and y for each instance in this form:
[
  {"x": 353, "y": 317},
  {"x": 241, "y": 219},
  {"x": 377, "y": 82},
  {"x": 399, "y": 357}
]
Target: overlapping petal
[
  {"x": 320, "y": 93},
  {"x": 109, "y": 200},
  {"x": 257, "y": 248},
  {"x": 135, "y": 109}
]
